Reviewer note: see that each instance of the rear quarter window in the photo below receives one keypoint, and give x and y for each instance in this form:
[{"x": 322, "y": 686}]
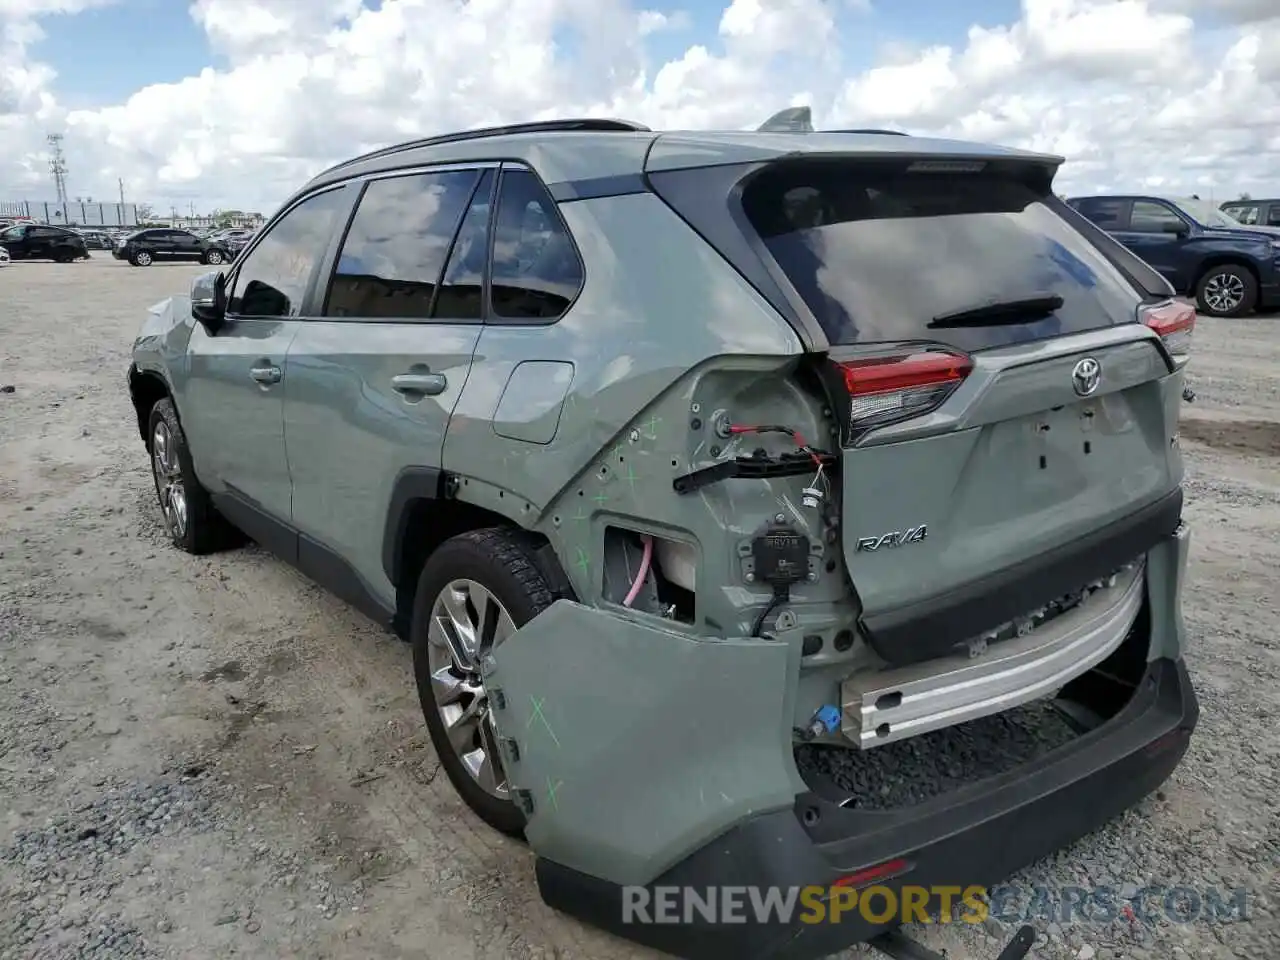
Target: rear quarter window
[{"x": 877, "y": 252}]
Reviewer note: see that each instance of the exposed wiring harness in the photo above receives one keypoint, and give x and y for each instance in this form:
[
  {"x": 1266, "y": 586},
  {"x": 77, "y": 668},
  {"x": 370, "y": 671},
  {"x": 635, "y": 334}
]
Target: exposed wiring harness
[
  {"x": 738, "y": 429},
  {"x": 646, "y": 559}
]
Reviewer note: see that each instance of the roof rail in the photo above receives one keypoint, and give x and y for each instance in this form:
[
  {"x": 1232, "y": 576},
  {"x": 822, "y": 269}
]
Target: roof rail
[
  {"x": 535, "y": 126},
  {"x": 889, "y": 133}
]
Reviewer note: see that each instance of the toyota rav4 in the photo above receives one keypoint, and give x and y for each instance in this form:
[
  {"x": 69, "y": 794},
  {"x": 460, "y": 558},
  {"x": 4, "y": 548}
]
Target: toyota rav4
[{"x": 673, "y": 453}]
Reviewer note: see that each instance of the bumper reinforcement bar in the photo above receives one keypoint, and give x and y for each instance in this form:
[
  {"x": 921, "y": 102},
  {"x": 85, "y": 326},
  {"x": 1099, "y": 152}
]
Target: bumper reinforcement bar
[{"x": 880, "y": 708}]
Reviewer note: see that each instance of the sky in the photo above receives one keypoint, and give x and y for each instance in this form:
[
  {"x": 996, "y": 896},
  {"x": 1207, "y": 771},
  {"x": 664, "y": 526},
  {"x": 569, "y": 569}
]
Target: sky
[{"x": 235, "y": 103}]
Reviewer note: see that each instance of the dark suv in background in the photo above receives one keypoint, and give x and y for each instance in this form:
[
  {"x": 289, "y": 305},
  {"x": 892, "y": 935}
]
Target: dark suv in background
[
  {"x": 38, "y": 241},
  {"x": 1230, "y": 268},
  {"x": 1263, "y": 213},
  {"x": 168, "y": 245}
]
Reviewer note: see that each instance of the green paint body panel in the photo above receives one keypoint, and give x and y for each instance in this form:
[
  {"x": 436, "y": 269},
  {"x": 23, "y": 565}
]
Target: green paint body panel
[{"x": 627, "y": 744}]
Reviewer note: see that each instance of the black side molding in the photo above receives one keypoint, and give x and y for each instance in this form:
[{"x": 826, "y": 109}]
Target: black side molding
[
  {"x": 309, "y": 557},
  {"x": 935, "y": 626},
  {"x": 412, "y": 483}
]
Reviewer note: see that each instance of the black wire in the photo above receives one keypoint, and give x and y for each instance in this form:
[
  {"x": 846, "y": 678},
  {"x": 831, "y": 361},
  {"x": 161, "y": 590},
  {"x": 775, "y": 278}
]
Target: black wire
[{"x": 778, "y": 600}]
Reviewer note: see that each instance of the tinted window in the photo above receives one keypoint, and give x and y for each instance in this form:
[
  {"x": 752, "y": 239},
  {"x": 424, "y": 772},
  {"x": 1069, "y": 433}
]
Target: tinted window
[
  {"x": 536, "y": 271},
  {"x": 14, "y": 233},
  {"x": 396, "y": 247},
  {"x": 1151, "y": 217},
  {"x": 878, "y": 252},
  {"x": 1243, "y": 213},
  {"x": 1273, "y": 215},
  {"x": 1108, "y": 214},
  {"x": 462, "y": 289},
  {"x": 273, "y": 278}
]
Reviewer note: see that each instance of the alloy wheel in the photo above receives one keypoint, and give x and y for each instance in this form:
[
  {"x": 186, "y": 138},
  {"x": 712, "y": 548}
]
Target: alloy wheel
[
  {"x": 1224, "y": 293},
  {"x": 215, "y": 257},
  {"x": 169, "y": 486},
  {"x": 144, "y": 259},
  {"x": 467, "y": 621}
]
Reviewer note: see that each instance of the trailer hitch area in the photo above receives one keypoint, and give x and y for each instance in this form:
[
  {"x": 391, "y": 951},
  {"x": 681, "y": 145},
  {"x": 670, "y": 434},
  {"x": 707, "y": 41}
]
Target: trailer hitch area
[{"x": 898, "y": 945}]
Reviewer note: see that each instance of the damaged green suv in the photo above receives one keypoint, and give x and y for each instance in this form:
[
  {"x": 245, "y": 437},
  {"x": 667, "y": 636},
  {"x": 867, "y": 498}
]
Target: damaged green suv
[{"x": 676, "y": 453}]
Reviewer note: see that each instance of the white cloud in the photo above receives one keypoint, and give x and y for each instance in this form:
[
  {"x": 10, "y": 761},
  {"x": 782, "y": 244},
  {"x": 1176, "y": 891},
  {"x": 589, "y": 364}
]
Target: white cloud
[{"x": 1175, "y": 93}]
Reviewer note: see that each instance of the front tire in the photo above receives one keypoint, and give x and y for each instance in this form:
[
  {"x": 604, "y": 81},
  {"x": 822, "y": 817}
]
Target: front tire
[
  {"x": 141, "y": 259},
  {"x": 474, "y": 591},
  {"x": 1229, "y": 290},
  {"x": 190, "y": 519}
]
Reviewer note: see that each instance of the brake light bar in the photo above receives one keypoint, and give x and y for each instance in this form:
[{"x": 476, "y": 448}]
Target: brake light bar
[
  {"x": 891, "y": 387},
  {"x": 1174, "y": 322}
]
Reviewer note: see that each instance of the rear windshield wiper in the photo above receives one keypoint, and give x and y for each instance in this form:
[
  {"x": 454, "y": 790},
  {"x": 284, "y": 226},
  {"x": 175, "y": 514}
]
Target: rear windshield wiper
[{"x": 1024, "y": 310}]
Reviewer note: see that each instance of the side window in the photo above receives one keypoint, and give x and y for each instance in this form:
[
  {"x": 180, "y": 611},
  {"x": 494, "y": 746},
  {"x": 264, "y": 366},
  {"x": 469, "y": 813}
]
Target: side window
[
  {"x": 1107, "y": 214},
  {"x": 395, "y": 249},
  {"x": 272, "y": 280},
  {"x": 1273, "y": 215},
  {"x": 461, "y": 294},
  {"x": 536, "y": 271},
  {"x": 1245, "y": 213},
  {"x": 1151, "y": 217}
]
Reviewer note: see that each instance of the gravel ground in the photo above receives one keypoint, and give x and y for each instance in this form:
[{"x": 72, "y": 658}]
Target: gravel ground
[{"x": 213, "y": 757}]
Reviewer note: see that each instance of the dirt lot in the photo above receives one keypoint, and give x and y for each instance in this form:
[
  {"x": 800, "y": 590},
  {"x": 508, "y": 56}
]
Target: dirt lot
[{"x": 212, "y": 757}]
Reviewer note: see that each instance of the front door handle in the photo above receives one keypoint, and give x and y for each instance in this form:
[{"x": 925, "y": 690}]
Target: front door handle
[
  {"x": 420, "y": 384},
  {"x": 266, "y": 374}
]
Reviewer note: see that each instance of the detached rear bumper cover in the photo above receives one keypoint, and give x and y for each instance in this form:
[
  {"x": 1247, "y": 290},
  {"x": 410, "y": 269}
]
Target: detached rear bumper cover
[
  {"x": 979, "y": 835},
  {"x": 674, "y": 767}
]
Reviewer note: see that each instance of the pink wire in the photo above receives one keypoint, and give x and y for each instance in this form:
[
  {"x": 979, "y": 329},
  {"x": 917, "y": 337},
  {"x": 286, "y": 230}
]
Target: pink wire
[{"x": 645, "y": 560}]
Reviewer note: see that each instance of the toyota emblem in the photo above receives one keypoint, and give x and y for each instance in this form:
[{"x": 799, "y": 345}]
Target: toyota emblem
[{"x": 1086, "y": 376}]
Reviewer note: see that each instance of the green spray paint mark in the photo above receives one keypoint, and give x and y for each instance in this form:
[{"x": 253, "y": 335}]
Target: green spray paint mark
[
  {"x": 601, "y": 498},
  {"x": 551, "y": 792},
  {"x": 631, "y": 478},
  {"x": 581, "y": 514},
  {"x": 583, "y": 562},
  {"x": 538, "y": 715},
  {"x": 651, "y": 428}
]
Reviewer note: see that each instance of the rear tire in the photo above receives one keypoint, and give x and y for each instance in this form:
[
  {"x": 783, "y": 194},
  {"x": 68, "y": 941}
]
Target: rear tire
[
  {"x": 1229, "y": 290},
  {"x": 214, "y": 257},
  {"x": 498, "y": 565},
  {"x": 189, "y": 517}
]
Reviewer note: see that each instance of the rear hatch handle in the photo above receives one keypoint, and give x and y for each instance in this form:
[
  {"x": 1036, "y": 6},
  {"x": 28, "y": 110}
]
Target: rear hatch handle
[{"x": 898, "y": 945}]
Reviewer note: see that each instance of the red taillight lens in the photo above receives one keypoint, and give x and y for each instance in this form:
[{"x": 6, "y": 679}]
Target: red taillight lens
[
  {"x": 1174, "y": 322},
  {"x": 885, "y": 389}
]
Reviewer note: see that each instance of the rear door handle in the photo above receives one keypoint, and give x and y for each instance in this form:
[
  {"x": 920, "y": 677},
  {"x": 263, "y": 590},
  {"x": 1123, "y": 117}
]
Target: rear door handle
[
  {"x": 267, "y": 374},
  {"x": 420, "y": 384}
]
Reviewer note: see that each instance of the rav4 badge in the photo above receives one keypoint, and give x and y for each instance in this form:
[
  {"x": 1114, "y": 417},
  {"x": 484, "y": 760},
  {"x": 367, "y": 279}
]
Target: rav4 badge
[{"x": 897, "y": 538}]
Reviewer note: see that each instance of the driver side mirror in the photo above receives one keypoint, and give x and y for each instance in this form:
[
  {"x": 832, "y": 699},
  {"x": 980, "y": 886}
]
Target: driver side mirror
[
  {"x": 1177, "y": 229},
  {"x": 209, "y": 300}
]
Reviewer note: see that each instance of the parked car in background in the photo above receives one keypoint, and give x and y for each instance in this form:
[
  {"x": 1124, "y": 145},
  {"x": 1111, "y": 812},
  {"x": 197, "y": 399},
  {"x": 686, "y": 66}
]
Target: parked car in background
[
  {"x": 1262, "y": 213},
  {"x": 97, "y": 239},
  {"x": 1229, "y": 268},
  {"x": 169, "y": 245},
  {"x": 4, "y": 257},
  {"x": 42, "y": 242}
]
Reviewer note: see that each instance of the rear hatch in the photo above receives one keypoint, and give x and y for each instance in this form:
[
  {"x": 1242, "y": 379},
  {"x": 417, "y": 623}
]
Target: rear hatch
[{"x": 1007, "y": 421}]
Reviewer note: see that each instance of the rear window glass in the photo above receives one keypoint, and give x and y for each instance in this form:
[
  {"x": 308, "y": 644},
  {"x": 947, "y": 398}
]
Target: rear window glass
[{"x": 879, "y": 253}]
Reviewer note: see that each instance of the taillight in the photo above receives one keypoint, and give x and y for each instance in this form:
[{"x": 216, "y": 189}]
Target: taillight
[
  {"x": 1174, "y": 322},
  {"x": 891, "y": 387}
]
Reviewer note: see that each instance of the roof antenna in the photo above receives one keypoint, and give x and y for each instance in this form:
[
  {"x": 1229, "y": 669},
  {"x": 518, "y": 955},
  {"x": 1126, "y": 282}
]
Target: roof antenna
[{"x": 790, "y": 120}]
